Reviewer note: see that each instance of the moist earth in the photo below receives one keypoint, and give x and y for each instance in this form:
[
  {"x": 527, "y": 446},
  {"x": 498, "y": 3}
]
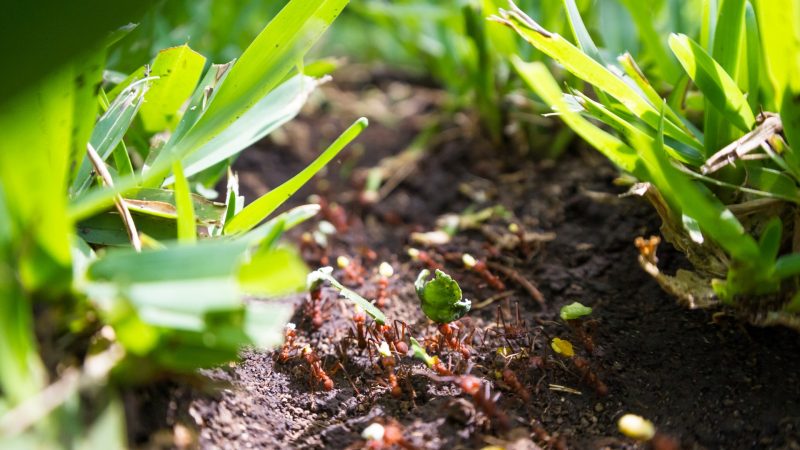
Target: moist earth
[{"x": 703, "y": 378}]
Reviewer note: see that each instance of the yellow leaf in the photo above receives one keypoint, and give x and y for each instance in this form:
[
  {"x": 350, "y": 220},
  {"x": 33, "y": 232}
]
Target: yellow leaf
[{"x": 563, "y": 347}]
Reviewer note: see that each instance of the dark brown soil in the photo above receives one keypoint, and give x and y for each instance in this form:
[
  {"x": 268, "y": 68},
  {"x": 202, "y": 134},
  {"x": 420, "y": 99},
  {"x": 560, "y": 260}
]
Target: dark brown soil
[{"x": 705, "y": 380}]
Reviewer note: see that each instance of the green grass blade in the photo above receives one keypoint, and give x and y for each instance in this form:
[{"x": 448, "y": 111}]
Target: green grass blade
[
  {"x": 727, "y": 48},
  {"x": 187, "y": 230},
  {"x": 643, "y": 15},
  {"x": 717, "y": 86},
  {"x": 592, "y": 72},
  {"x": 635, "y": 73},
  {"x": 539, "y": 79},
  {"x": 178, "y": 70},
  {"x": 257, "y": 211},
  {"x": 580, "y": 32},
  {"x": 626, "y": 126},
  {"x": 110, "y": 129},
  {"x": 275, "y": 109},
  {"x": 754, "y": 57},
  {"x": 779, "y": 27},
  {"x": 262, "y": 66},
  {"x": 684, "y": 196}
]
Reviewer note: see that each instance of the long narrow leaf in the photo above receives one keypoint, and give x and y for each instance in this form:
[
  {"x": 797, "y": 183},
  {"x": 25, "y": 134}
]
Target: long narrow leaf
[
  {"x": 589, "y": 70},
  {"x": 187, "y": 231},
  {"x": 718, "y": 87},
  {"x": 539, "y": 79},
  {"x": 178, "y": 70},
  {"x": 254, "y": 213},
  {"x": 262, "y": 66}
]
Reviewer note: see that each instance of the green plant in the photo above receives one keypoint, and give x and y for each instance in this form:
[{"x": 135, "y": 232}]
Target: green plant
[
  {"x": 723, "y": 178},
  {"x": 105, "y": 251},
  {"x": 441, "y": 297}
]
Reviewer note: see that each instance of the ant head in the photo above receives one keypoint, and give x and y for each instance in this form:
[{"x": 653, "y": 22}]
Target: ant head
[{"x": 470, "y": 384}]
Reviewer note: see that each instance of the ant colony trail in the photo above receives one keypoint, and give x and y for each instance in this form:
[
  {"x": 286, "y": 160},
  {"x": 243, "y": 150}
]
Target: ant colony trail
[{"x": 548, "y": 335}]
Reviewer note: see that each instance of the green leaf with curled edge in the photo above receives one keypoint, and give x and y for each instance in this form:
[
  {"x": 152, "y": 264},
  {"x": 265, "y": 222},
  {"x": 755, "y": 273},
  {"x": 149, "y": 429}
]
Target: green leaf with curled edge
[
  {"x": 441, "y": 297},
  {"x": 573, "y": 311}
]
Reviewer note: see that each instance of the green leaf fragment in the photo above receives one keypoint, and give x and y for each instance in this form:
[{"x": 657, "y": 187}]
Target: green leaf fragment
[
  {"x": 441, "y": 297},
  {"x": 574, "y": 310},
  {"x": 421, "y": 354}
]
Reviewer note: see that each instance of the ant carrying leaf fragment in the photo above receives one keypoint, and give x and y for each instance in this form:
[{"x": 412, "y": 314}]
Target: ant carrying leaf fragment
[
  {"x": 441, "y": 297},
  {"x": 317, "y": 277}
]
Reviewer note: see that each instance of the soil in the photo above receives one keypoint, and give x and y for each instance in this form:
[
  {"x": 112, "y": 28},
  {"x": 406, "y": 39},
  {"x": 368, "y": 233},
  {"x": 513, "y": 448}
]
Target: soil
[{"x": 702, "y": 378}]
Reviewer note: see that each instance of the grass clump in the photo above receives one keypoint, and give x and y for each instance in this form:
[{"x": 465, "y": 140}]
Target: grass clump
[{"x": 710, "y": 144}]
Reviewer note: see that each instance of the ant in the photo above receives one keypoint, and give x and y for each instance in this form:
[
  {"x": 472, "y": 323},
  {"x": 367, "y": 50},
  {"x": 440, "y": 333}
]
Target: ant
[
  {"x": 480, "y": 267},
  {"x": 513, "y": 331},
  {"x": 482, "y": 397},
  {"x": 316, "y": 368},
  {"x": 394, "y": 335},
  {"x": 589, "y": 377},
  {"x": 583, "y": 331},
  {"x": 359, "y": 332},
  {"x": 456, "y": 338},
  {"x": 387, "y": 436},
  {"x": 385, "y": 271},
  {"x": 332, "y": 212},
  {"x": 312, "y": 307},
  {"x": 554, "y": 442},
  {"x": 353, "y": 270},
  {"x": 510, "y": 378},
  {"x": 289, "y": 334},
  {"x": 425, "y": 258}
]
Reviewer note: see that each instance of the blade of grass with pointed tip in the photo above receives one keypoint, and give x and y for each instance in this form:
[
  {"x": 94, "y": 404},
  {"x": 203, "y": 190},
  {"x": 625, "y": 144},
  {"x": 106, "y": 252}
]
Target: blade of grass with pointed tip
[
  {"x": 257, "y": 211},
  {"x": 109, "y": 130},
  {"x": 727, "y": 48},
  {"x": 178, "y": 70},
  {"x": 584, "y": 40},
  {"x": 717, "y": 86},
  {"x": 262, "y": 66},
  {"x": 276, "y": 108},
  {"x": 187, "y": 231},
  {"x": 590, "y": 71},
  {"x": 539, "y": 79},
  {"x": 754, "y": 57}
]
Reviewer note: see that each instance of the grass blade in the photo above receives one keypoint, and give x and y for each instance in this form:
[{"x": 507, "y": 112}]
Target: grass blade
[
  {"x": 718, "y": 87},
  {"x": 178, "y": 70},
  {"x": 642, "y": 14},
  {"x": 110, "y": 129},
  {"x": 727, "y": 48},
  {"x": 187, "y": 231},
  {"x": 592, "y": 72},
  {"x": 262, "y": 66},
  {"x": 257, "y": 211},
  {"x": 539, "y": 79},
  {"x": 275, "y": 109}
]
